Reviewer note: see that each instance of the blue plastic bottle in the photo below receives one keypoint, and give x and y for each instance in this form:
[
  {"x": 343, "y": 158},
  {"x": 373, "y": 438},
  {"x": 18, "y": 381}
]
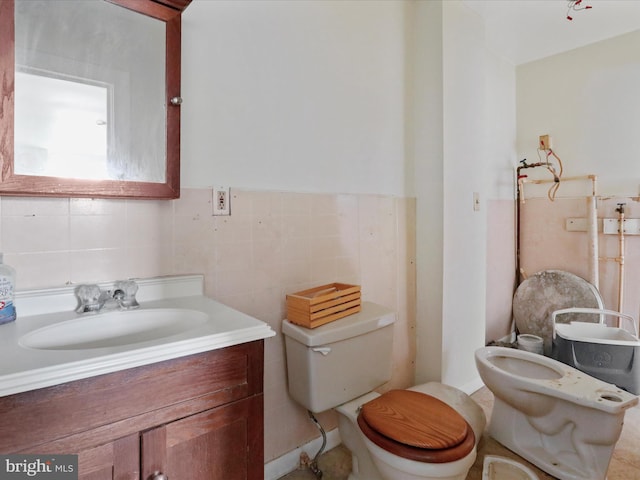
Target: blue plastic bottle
[{"x": 7, "y": 283}]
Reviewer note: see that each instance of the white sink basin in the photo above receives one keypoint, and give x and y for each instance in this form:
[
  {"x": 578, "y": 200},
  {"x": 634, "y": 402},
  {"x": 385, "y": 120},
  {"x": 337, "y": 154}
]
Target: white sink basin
[
  {"x": 49, "y": 344},
  {"x": 114, "y": 329}
]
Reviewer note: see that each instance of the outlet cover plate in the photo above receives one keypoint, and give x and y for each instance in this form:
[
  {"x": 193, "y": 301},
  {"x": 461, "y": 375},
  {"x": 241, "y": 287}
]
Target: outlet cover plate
[{"x": 221, "y": 201}]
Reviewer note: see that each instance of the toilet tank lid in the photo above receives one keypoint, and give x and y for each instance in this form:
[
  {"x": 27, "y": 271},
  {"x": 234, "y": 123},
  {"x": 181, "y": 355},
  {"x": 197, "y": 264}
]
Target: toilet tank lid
[{"x": 371, "y": 317}]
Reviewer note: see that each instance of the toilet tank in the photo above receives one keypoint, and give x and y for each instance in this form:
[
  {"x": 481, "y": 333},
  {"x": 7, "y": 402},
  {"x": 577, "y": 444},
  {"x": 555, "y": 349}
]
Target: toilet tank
[{"x": 339, "y": 361}]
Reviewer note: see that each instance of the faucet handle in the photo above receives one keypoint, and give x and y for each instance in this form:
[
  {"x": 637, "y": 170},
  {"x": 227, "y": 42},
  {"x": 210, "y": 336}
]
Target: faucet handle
[
  {"x": 90, "y": 298},
  {"x": 124, "y": 291}
]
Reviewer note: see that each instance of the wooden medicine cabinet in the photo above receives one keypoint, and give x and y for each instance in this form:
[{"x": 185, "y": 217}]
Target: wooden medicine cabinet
[{"x": 90, "y": 98}]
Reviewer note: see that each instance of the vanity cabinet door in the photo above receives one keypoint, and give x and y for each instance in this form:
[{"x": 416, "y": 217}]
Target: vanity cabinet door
[
  {"x": 223, "y": 443},
  {"x": 117, "y": 460},
  {"x": 198, "y": 417}
]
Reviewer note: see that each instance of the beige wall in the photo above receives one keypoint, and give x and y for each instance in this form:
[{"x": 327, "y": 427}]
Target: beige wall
[
  {"x": 592, "y": 117},
  {"x": 548, "y": 244},
  {"x": 294, "y": 96},
  {"x": 318, "y": 97},
  {"x": 587, "y": 100},
  {"x": 386, "y": 97},
  {"x": 501, "y": 267},
  {"x": 460, "y": 130},
  {"x": 272, "y": 244}
]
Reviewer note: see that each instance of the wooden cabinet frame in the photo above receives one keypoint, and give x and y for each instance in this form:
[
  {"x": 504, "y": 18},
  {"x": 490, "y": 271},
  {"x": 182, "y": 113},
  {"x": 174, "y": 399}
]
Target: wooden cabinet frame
[
  {"x": 167, "y": 11},
  {"x": 128, "y": 424}
]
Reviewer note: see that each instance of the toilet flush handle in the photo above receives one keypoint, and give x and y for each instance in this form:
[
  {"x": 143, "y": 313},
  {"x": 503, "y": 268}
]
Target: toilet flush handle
[{"x": 323, "y": 350}]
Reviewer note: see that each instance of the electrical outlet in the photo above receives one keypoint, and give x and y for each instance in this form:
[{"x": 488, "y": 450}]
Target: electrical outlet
[
  {"x": 545, "y": 142},
  {"x": 221, "y": 201}
]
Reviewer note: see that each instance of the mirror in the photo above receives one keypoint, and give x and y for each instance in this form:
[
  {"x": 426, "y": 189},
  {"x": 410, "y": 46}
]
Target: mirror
[{"x": 90, "y": 96}]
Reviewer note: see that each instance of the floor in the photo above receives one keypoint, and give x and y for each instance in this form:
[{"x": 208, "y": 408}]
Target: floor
[{"x": 625, "y": 463}]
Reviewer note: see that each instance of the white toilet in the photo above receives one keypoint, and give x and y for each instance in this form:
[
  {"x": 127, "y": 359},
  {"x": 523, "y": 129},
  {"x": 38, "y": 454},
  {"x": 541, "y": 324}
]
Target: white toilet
[
  {"x": 338, "y": 365},
  {"x": 557, "y": 417}
]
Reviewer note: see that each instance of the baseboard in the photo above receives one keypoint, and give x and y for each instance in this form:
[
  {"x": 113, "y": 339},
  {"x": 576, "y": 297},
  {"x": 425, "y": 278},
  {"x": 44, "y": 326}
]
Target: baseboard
[
  {"x": 289, "y": 461},
  {"x": 472, "y": 386},
  {"x": 508, "y": 338}
]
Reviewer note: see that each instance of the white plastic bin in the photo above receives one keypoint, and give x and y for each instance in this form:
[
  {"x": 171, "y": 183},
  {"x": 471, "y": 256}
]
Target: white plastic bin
[{"x": 611, "y": 354}]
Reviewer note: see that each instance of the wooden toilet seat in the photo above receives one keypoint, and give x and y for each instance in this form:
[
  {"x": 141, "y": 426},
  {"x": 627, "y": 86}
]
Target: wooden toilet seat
[{"x": 416, "y": 426}]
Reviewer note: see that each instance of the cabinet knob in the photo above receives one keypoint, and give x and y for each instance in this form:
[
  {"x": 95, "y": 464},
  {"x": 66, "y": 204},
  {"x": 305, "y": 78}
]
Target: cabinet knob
[
  {"x": 176, "y": 101},
  {"x": 159, "y": 476}
]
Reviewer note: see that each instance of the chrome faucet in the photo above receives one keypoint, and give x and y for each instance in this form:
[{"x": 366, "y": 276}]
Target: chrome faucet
[
  {"x": 124, "y": 294},
  {"x": 91, "y": 298}
]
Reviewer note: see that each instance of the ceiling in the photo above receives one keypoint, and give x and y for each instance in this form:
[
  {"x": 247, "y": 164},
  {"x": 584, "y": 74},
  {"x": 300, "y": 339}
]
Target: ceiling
[{"x": 527, "y": 30}]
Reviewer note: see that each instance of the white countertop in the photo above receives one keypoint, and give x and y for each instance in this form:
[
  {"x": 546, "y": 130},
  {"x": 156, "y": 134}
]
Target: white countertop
[{"x": 23, "y": 369}]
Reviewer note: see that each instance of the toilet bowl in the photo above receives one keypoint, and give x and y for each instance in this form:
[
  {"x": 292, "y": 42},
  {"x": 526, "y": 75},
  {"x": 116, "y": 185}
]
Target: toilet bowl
[
  {"x": 374, "y": 462},
  {"x": 560, "y": 419},
  {"x": 496, "y": 467},
  {"x": 339, "y": 365}
]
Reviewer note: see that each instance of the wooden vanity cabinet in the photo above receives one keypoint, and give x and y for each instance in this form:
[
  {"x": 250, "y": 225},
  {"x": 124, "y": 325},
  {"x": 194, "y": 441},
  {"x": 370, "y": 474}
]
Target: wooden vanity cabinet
[
  {"x": 220, "y": 439},
  {"x": 199, "y": 417}
]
